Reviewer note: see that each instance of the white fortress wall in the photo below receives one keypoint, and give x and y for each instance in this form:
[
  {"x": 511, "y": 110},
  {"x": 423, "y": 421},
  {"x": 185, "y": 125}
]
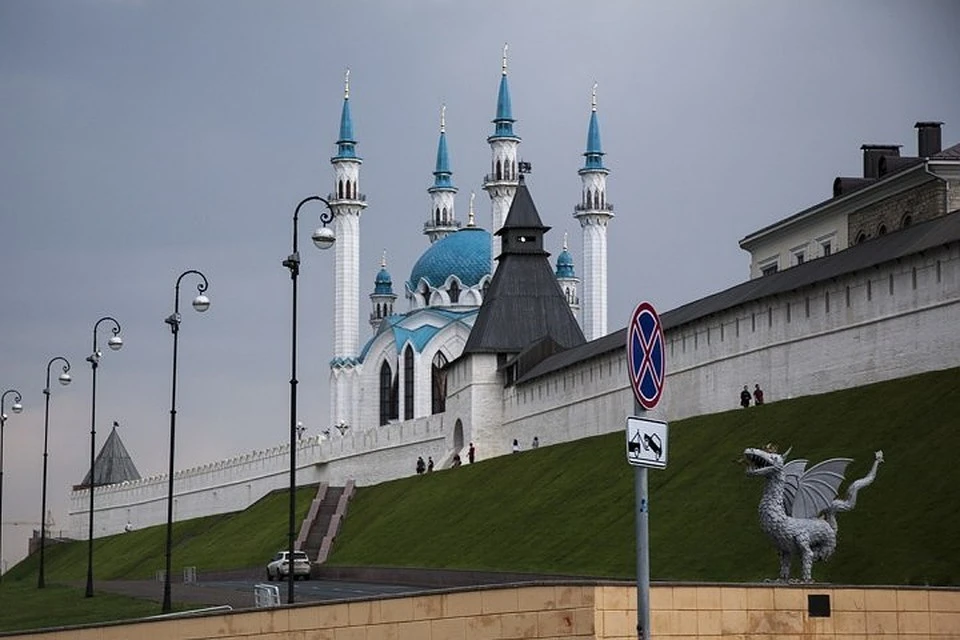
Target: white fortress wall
[
  {"x": 886, "y": 331},
  {"x": 367, "y": 456},
  {"x": 885, "y": 322}
]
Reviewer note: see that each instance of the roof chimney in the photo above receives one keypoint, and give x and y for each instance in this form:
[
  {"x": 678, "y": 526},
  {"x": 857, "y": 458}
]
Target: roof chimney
[
  {"x": 928, "y": 138},
  {"x": 871, "y": 157}
]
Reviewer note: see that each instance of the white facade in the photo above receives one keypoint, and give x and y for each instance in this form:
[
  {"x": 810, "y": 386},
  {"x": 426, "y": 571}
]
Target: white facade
[{"x": 501, "y": 185}]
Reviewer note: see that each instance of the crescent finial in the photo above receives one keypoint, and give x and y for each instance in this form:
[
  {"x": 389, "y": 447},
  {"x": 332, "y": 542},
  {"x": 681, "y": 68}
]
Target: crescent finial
[
  {"x": 504, "y": 67},
  {"x": 471, "y": 222},
  {"x": 593, "y": 99},
  {"x": 564, "y": 240},
  {"x": 346, "y": 85},
  {"x": 443, "y": 116},
  {"x": 383, "y": 260}
]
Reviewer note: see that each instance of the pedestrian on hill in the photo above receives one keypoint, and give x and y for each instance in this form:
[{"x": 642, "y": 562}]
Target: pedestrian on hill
[
  {"x": 420, "y": 465},
  {"x": 536, "y": 443},
  {"x": 757, "y": 395},
  {"x": 516, "y": 446},
  {"x": 429, "y": 464},
  {"x": 456, "y": 461},
  {"x": 471, "y": 454},
  {"x": 745, "y": 397}
]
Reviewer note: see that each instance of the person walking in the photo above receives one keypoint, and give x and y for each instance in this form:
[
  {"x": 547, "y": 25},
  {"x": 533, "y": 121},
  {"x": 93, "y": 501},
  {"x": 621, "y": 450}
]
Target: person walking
[
  {"x": 536, "y": 443},
  {"x": 516, "y": 446},
  {"x": 757, "y": 395},
  {"x": 745, "y": 397},
  {"x": 429, "y": 464},
  {"x": 471, "y": 454},
  {"x": 420, "y": 465}
]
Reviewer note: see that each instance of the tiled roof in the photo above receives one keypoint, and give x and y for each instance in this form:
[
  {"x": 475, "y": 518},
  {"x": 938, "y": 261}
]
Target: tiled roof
[
  {"x": 950, "y": 153},
  {"x": 465, "y": 254},
  {"x": 909, "y": 241}
]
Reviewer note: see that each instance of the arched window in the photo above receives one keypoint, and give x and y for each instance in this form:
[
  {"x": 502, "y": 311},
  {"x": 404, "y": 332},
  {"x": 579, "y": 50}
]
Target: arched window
[
  {"x": 436, "y": 216},
  {"x": 861, "y": 237},
  {"x": 444, "y": 217},
  {"x": 499, "y": 170},
  {"x": 906, "y": 222},
  {"x": 425, "y": 292},
  {"x": 486, "y": 286},
  {"x": 340, "y": 188},
  {"x": 438, "y": 384},
  {"x": 454, "y": 292},
  {"x": 882, "y": 231},
  {"x": 379, "y": 311},
  {"x": 408, "y": 383},
  {"x": 386, "y": 393}
]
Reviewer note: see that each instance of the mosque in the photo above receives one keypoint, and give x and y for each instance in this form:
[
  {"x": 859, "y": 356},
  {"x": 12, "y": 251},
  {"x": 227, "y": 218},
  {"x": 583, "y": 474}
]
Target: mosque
[{"x": 499, "y": 344}]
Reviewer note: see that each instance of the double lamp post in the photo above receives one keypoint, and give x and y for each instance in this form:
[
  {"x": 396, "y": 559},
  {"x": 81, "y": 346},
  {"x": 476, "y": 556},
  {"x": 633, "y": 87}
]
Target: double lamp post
[{"x": 16, "y": 407}]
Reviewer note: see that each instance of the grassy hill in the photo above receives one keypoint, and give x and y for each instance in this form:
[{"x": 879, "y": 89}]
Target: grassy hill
[
  {"x": 226, "y": 541},
  {"x": 569, "y": 508}
]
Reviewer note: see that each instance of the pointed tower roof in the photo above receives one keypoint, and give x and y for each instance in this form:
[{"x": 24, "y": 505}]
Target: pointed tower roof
[
  {"x": 504, "y": 119},
  {"x": 346, "y": 144},
  {"x": 113, "y": 463},
  {"x": 443, "y": 176},
  {"x": 524, "y": 303},
  {"x": 594, "y": 152},
  {"x": 383, "y": 284}
]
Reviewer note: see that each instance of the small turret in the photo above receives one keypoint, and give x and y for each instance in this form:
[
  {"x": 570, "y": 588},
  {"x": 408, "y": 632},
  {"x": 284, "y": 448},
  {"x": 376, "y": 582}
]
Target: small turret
[
  {"x": 383, "y": 297},
  {"x": 567, "y": 278}
]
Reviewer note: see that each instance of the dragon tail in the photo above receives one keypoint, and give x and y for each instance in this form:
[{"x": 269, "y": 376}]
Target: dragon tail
[{"x": 847, "y": 505}]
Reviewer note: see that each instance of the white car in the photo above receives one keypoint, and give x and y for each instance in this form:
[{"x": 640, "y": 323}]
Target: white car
[{"x": 278, "y": 566}]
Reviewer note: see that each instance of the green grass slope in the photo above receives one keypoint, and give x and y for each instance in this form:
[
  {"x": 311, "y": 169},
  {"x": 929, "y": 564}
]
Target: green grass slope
[
  {"x": 227, "y": 541},
  {"x": 569, "y": 508}
]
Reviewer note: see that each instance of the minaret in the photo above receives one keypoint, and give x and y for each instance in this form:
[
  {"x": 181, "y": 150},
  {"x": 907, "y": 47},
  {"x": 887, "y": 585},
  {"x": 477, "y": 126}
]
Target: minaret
[
  {"x": 501, "y": 182},
  {"x": 383, "y": 297},
  {"x": 347, "y": 203},
  {"x": 594, "y": 212},
  {"x": 442, "y": 221},
  {"x": 567, "y": 278}
]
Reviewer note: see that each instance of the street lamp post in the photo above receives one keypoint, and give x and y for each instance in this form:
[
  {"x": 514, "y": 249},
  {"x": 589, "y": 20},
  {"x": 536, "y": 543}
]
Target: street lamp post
[
  {"x": 201, "y": 303},
  {"x": 115, "y": 343},
  {"x": 64, "y": 380},
  {"x": 323, "y": 238},
  {"x": 16, "y": 407}
]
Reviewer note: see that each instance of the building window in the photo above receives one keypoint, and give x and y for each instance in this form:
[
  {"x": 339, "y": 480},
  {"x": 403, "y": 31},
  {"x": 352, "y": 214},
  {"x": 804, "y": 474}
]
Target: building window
[
  {"x": 891, "y": 284},
  {"x": 826, "y": 302},
  {"x": 454, "y": 292},
  {"x": 386, "y": 393},
  {"x": 869, "y": 290},
  {"x": 826, "y": 248},
  {"x": 721, "y": 332},
  {"x": 408, "y": 383},
  {"x": 799, "y": 257},
  {"x": 769, "y": 317},
  {"x": 848, "y": 297},
  {"x": 914, "y": 278},
  {"x": 696, "y": 340},
  {"x": 753, "y": 321},
  {"x": 738, "y": 327},
  {"x": 861, "y": 237},
  {"x": 906, "y": 221},
  {"x": 769, "y": 269},
  {"x": 438, "y": 386},
  {"x": 788, "y": 312},
  {"x": 882, "y": 231}
]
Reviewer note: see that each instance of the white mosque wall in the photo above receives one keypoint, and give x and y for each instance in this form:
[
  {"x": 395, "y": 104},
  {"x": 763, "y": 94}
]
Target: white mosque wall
[{"x": 885, "y": 322}]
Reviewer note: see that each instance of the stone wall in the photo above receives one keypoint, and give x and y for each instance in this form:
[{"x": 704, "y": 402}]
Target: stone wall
[
  {"x": 600, "y": 611},
  {"x": 923, "y": 202}
]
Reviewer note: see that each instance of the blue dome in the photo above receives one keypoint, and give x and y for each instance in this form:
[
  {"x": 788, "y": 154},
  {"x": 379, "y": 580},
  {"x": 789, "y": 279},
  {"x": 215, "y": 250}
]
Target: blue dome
[
  {"x": 384, "y": 283},
  {"x": 465, "y": 254},
  {"x": 565, "y": 265}
]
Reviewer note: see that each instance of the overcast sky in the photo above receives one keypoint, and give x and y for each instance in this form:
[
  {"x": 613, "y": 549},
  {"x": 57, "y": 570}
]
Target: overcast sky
[{"x": 140, "y": 139}]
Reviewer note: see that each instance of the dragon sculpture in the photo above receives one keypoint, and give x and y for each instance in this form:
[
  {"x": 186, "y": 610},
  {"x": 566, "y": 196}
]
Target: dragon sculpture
[{"x": 799, "y": 505}]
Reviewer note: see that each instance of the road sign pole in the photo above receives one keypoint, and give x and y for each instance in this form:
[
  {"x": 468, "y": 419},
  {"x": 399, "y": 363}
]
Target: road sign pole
[{"x": 643, "y": 546}]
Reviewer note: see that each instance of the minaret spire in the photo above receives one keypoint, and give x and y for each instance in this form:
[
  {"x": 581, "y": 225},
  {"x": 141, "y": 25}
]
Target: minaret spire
[
  {"x": 471, "y": 221},
  {"x": 442, "y": 221},
  {"x": 594, "y": 214},
  {"x": 567, "y": 278},
  {"x": 346, "y": 204},
  {"x": 383, "y": 297},
  {"x": 501, "y": 182}
]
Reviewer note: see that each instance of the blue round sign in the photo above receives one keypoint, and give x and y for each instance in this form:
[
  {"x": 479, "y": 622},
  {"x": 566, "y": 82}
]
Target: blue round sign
[{"x": 645, "y": 354}]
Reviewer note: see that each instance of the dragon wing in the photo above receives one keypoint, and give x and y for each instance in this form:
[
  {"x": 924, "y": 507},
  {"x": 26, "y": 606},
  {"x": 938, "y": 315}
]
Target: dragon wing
[
  {"x": 791, "y": 482},
  {"x": 818, "y": 486}
]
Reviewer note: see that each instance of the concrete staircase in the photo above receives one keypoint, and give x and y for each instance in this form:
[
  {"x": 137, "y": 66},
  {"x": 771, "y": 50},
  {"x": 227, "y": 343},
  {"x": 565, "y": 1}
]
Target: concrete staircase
[{"x": 322, "y": 523}]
